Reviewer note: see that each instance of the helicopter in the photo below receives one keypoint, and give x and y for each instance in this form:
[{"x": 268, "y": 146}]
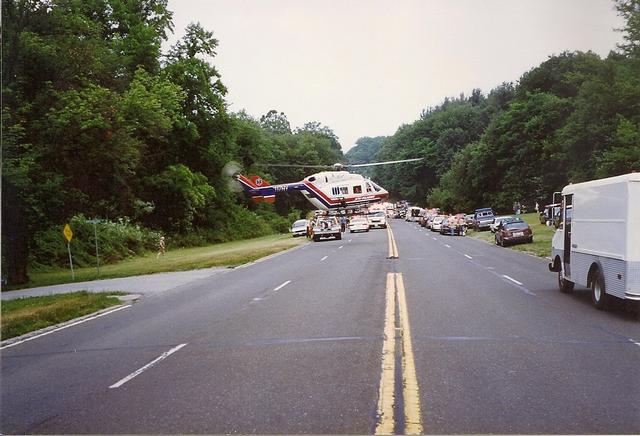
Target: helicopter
[{"x": 336, "y": 189}]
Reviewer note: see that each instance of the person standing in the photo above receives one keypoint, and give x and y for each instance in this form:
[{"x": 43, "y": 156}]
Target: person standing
[{"x": 161, "y": 247}]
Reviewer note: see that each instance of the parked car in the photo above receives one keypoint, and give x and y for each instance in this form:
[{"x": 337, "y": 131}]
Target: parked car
[
  {"x": 436, "y": 224},
  {"x": 452, "y": 226},
  {"x": 513, "y": 232},
  {"x": 482, "y": 218},
  {"x": 326, "y": 227},
  {"x": 499, "y": 219},
  {"x": 299, "y": 228},
  {"x": 359, "y": 224},
  {"x": 469, "y": 220},
  {"x": 430, "y": 220},
  {"x": 422, "y": 218},
  {"x": 377, "y": 219}
]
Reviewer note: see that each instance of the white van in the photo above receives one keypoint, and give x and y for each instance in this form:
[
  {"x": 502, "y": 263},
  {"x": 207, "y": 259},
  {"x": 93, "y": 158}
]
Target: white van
[{"x": 598, "y": 243}]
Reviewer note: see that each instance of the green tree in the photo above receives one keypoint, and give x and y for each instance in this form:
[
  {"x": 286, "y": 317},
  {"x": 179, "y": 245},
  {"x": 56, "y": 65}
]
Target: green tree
[
  {"x": 276, "y": 123},
  {"x": 630, "y": 11}
]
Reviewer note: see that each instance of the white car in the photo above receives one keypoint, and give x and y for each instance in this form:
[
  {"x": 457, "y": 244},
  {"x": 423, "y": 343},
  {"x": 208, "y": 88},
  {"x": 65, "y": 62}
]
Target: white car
[
  {"x": 359, "y": 224},
  {"x": 377, "y": 219},
  {"x": 299, "y": 228},
  {"x": 436, "y": 224}
]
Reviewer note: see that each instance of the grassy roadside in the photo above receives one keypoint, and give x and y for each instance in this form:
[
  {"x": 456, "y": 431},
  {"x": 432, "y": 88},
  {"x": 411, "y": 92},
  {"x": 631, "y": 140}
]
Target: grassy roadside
[
  {"x": 542, "y": 235},
  {"x": 24, "y": 315},
  {"x": 184, "y": 259}
]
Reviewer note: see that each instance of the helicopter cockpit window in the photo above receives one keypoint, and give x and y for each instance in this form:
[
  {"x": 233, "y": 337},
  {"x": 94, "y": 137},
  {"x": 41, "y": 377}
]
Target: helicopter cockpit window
[
  {"x": 369, "y": 188},
  {"x": 376, "y": 187},
  {"x": 357, "y": 189}
]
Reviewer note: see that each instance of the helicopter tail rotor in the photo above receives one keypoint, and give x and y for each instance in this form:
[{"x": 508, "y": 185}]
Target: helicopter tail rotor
[{"x": 230, "y": 171}]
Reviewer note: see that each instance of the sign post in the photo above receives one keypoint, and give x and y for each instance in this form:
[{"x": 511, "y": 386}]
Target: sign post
[
  {"x": 68, "y": 234},
  {"x": 95, "y": 234}
]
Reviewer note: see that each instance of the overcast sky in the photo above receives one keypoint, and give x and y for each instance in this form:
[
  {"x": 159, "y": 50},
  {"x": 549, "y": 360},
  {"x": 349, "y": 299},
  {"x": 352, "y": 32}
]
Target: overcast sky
[{"x": 365, "y": 67}]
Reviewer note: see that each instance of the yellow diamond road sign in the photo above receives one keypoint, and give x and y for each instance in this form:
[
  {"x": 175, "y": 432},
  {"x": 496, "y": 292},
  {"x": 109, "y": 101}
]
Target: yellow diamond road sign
[{"x": 67, "y": 232}]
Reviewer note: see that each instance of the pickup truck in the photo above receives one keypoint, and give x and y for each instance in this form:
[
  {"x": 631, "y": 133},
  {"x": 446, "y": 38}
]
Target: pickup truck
[
  {"x": 482, "y": 218},
  {"x": 326, "y": 228}
]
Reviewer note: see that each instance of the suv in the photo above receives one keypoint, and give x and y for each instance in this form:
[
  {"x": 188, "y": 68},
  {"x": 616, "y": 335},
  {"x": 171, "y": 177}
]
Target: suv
[
  {"x": 326, "y": 227},
  {"x": 482, "y": 218}
]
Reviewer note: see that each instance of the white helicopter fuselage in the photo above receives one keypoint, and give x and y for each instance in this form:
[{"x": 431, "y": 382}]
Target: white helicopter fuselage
[
  {"x": 326, "y": 190},
  {"x": 338, "y": 189}
]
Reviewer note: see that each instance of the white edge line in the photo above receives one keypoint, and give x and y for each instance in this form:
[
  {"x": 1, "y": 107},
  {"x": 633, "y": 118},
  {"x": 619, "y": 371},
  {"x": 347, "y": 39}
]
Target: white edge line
[
  {"x": 512, "y": 279},
  {"x": 324, "y": 258},
  {"x": 282, "y": 285},
  {"x": 468, "y": 257},
  {"x": 147, "y": 366},
  {"x": 63, "y": 327}
]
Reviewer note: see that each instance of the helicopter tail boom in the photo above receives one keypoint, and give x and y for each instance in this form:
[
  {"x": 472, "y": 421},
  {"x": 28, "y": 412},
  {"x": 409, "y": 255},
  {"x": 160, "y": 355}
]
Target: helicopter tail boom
[{"x": 259, "y": 189}]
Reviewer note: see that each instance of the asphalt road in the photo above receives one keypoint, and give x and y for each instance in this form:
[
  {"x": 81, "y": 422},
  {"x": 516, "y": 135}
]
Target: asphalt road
[{"x": 294, "y": 344}]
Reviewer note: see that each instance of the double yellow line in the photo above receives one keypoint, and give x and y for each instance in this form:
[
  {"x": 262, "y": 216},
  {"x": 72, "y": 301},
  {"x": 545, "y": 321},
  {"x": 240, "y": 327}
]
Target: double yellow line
[
  {"x": 393, "y": 248},
  {"x": 410, "y": 391}
]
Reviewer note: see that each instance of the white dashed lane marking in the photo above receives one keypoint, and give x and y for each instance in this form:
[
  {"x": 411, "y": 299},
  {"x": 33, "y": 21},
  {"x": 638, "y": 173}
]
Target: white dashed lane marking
[
  {"x": 282, "y": 285},
  {"x": 511, "y": 279},
  {"x": 324, "y": 258},
  {"x": 147, "y": 366}
]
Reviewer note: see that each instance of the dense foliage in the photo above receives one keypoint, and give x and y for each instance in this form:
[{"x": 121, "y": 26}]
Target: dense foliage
[
  {"x": 97, "y": 122},
  {"x": 573, "y": 118},
  {"x": 365, "y": 150}
]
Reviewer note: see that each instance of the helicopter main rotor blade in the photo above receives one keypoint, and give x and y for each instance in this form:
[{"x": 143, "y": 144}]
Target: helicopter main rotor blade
[
  {"x": 383, "y": 163},
  {"x": 294, "y": 166}
]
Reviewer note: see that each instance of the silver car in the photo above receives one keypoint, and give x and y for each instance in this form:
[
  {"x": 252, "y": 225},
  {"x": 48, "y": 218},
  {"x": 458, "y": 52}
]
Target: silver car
[{"x": 299, "y": 228}]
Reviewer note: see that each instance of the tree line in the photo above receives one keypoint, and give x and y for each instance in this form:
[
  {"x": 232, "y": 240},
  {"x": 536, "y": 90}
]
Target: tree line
[
  {"x": 573, "y": 118},
  {"x": 98, "y": 122}
]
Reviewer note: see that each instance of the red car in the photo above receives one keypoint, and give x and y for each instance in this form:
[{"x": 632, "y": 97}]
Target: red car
[{"x": 513, "y": 232}]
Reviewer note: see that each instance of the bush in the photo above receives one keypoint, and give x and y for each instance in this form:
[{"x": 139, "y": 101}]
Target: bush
[{"x": 117, "y": 240}]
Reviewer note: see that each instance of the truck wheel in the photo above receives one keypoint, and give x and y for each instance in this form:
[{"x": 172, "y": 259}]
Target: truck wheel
[
  {"x": 598, "y": 294},
  {"x": 565, "y": 285},
  {"x": 338, "y": 236},
  {"x": 315, "y": 238}
]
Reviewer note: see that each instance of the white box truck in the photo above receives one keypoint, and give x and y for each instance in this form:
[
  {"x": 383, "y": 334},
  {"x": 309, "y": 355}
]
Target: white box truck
[{"x": 598, "y": 242}]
